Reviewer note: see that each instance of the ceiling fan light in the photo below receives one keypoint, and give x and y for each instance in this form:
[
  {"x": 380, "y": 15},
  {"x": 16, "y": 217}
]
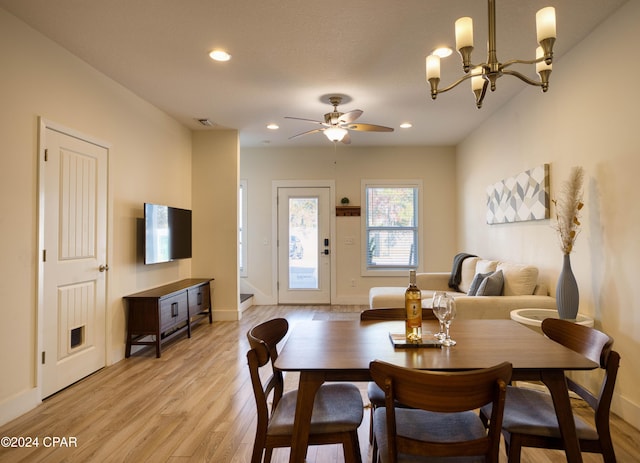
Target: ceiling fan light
[{"x": 335, "y": 133}]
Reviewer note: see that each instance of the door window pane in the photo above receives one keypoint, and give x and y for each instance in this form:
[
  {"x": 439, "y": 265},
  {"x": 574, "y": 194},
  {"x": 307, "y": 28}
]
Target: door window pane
[{"x": 303, "y": 243}]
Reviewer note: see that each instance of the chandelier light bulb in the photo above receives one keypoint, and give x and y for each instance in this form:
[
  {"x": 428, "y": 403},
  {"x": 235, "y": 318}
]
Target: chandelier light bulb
[{"x": 546, "y": 23}]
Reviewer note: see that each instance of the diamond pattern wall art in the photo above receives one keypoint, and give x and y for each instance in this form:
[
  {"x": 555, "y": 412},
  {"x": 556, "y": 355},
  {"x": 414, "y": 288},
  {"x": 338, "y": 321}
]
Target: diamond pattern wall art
[{"x": 520, "y": 198}]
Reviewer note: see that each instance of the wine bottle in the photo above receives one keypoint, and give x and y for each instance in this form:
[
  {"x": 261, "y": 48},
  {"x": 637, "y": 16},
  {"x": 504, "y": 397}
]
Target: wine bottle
[{"x": 413, "y": 306}]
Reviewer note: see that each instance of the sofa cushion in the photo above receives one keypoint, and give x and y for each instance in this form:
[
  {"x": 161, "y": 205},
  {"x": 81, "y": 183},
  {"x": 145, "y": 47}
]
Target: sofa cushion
[
  {"x": 477, "y": 281},
  {"x": 519, "y": 279},
  {"x": 467, "y": 273},
  {"x": 492, "y": 285},
  {"x": 484, "y": 266}
]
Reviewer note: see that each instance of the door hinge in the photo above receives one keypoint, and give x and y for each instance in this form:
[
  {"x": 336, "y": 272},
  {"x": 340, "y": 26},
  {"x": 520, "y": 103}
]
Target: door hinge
[
  {"x": 46, "y": 155},
  {"x": 44, "y": 354},
  {"x": 44, "y": 255}
]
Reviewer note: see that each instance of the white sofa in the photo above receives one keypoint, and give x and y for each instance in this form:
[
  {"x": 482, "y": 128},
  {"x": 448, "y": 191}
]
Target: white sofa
[{"x": 520, "y": 289}]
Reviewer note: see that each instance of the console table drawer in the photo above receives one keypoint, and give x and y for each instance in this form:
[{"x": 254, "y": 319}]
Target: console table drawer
[
  {"x": 173, "y": 310},
  {"x": 199, "y": 300}
]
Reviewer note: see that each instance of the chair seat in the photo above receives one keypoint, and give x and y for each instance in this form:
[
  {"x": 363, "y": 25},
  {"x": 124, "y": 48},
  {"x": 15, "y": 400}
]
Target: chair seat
[
  {"x": 336, "y": 408},
  {"x": 429, "y": 426},
  {"x": 376, "y": 396},
  {"x": 531, "y": 412}
]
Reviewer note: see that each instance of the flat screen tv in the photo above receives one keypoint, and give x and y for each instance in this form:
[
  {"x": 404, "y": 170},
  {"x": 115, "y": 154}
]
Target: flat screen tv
[{"x": 167, "y": 233}]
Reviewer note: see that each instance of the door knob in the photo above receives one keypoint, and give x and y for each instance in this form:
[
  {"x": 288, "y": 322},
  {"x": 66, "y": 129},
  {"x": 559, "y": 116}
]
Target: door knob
[{"x": 103, "y": 268}]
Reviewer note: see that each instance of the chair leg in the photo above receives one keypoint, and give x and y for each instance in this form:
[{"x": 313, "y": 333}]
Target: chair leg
[
  {"x": 608, "y": 454},
  {"x": 356, "y": 447},
  {"x": 267, "y": 455},
  {"x": 256, "y": 456},
  {"x": 513, "y": 447},
  {"x": 373, "y": 409},
  {"x": 374, "y": 451},
  {"x": 351, "y": 448}
]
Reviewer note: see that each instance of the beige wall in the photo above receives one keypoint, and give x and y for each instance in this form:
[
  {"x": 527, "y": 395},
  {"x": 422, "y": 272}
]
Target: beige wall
[
  {"x": 588, "y": 118},
  {"x": 215, "y": 217},
  {"x": 347, "y": 166},
  {"x": 149, "y": 160}
]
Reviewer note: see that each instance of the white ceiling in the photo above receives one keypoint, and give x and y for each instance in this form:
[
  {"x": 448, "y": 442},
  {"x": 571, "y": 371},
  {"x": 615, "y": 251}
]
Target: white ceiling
[{"x": 288, "y": 54}]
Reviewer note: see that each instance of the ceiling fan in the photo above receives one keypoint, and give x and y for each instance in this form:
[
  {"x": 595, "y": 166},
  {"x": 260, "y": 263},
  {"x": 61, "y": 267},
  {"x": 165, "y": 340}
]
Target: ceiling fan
[{"x": 336, "y": 125}]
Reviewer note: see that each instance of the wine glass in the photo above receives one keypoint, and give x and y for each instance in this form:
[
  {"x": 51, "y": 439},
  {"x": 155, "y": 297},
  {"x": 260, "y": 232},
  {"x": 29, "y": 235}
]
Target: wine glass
[
  {"x": 435, "y": 305},
  {"x": 448, "y": 316}
]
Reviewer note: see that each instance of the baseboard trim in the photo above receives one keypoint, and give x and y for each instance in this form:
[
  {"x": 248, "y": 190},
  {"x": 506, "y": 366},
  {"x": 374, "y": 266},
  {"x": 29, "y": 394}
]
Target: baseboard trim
[
  {"x": 226, "y": 315},
  {"x": 627, "y": 410},
  {"x": 18, "y": 405},
  {"x": 246, "y": 303}
]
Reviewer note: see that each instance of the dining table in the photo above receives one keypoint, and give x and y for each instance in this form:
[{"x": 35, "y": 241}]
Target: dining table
[{"x": 341, "y": 350}]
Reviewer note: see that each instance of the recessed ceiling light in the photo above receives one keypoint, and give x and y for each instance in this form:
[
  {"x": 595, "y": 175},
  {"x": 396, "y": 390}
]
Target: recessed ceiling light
[
  {"x": 273, "y": 126},
  {"x": 406, "y": 125},
  {"x": 442, "y": 52},
  {"x": 220, "y": 55}
]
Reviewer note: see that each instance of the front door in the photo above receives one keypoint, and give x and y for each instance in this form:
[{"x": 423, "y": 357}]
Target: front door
[
  {"x": 304, "y": 257},
  {"x": 73, "y": 272}
]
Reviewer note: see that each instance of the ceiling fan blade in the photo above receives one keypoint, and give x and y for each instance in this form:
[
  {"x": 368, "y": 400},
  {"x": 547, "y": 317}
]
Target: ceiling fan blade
[
  {"x": 305, "y": 120},
  {"x": 346, "y": 139},
  {"x": 369, "y": 128},
  {"x": 306, "y": 133},
  {"x": 349, "y": 117}
]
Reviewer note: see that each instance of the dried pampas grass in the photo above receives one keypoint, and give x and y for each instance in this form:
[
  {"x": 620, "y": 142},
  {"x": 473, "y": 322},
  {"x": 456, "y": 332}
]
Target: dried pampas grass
[{"x": 568, "y": 207}]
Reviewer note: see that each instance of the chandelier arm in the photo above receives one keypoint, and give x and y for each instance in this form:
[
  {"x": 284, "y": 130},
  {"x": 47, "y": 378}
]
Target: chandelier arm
[
  {"x": 522, "y": 77},
  {"x": 455, "y": 84},
  {"x": 522, "y": 61}
]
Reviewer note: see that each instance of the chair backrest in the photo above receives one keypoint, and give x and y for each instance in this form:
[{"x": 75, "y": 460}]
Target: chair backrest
[
  {"x": 263, "y": 340},
  {"x": 392, "y": 314},
  {"x": 270, "y": 333},
  {"x": 444, "y": 392},
  {"x": 596, "y": 346}
]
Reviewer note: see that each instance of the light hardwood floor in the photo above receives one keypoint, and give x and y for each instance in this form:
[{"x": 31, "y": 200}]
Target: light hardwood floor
[{"x": 194, "y": 404}]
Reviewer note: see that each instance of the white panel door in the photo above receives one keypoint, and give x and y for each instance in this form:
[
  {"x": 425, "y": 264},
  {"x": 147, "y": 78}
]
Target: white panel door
[
  {"x": 304, "y": 251},
  {"x": 74, "y": 259}
]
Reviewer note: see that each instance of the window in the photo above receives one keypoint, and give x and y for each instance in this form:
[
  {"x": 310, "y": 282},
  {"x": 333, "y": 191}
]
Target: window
[
  {"x": 392, "y": 232},
  {"x": 242, "y": 227}
]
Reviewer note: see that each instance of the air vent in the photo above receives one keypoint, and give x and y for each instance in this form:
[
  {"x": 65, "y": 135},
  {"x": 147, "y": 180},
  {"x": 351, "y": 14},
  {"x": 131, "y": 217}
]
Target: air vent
[{"x": 206, "y": 122}]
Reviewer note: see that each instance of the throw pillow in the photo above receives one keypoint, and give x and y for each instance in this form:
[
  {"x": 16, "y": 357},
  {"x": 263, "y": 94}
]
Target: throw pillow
[
  {"x": 477, "y": 281},
  {"x": 467, "y": 273},
  {"x": 492, "y": 285},
  {"x": 484, "y": 266},
  {"x": 519, "y": 279}
]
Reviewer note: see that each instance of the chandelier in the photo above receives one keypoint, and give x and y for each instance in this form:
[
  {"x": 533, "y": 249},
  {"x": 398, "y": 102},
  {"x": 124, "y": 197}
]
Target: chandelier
[{"x": 486, "y": 74}]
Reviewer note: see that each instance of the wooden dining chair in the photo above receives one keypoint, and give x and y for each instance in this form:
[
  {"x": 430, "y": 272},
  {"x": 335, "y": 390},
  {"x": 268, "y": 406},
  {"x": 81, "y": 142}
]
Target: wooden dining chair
[
  {"x": 374, "y": 393},
  {"x": 529, "y": 415},
  {"x": 337, "y": 409},
  {"x": 443, "y": 420}
]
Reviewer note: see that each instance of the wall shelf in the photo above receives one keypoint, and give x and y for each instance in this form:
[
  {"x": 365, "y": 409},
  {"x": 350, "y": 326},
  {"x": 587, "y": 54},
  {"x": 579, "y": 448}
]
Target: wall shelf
[{"x": 347, "y": 211}]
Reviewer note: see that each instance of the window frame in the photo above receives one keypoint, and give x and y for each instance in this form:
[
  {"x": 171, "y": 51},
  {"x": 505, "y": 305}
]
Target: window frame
[
  {"x": 242, "y": 228},
  {"x": 366, "y": 184}
]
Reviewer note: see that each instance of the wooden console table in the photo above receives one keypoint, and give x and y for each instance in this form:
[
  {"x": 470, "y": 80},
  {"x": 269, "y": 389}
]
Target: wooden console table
[{"x": 167, "y": 311}]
